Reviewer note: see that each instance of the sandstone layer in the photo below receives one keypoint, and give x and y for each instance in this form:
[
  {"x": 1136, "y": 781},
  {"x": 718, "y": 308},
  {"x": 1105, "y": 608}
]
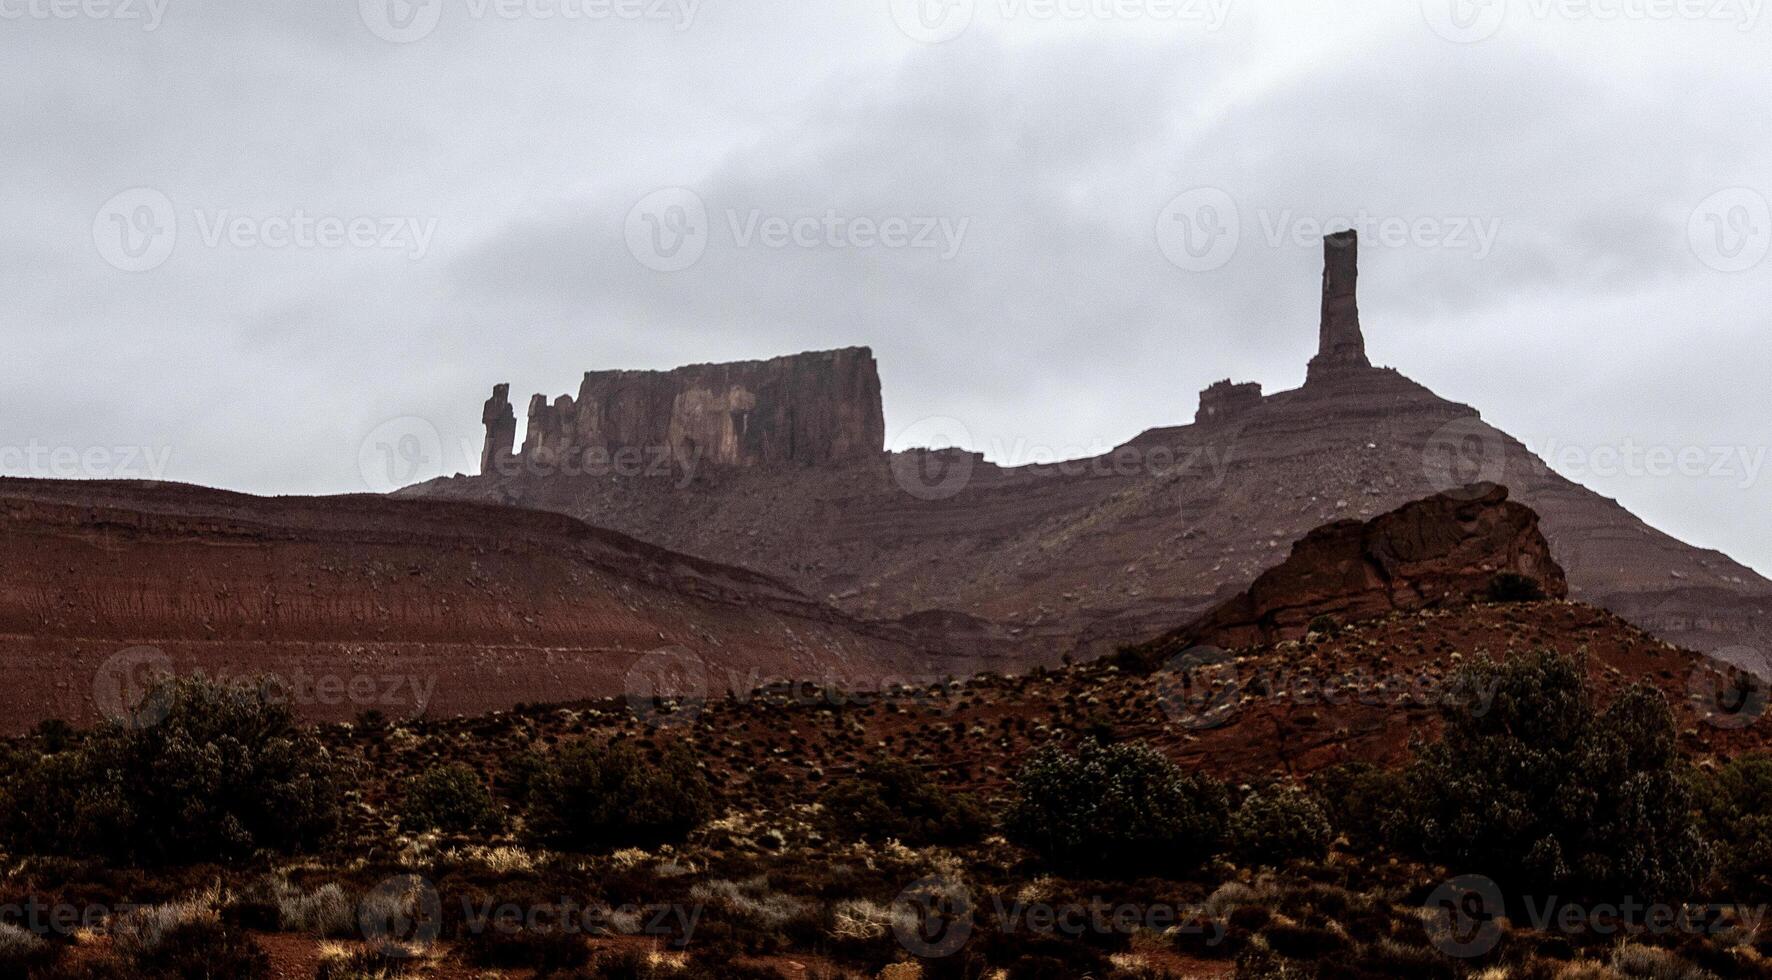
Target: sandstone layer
[{"x": 401, "y": 606}]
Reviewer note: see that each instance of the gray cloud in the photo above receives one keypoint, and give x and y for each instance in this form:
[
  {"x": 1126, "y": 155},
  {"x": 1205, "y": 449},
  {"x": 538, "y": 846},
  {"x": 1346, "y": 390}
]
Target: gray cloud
[{"x": 1057, "y": 324}]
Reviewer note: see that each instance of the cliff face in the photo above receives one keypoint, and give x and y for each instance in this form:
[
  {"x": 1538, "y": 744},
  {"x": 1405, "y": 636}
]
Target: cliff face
[{"x": 805, "y": 409}]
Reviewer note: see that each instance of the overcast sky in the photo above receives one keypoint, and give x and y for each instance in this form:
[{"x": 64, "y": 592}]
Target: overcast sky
[{"x": 263, "y": 239}]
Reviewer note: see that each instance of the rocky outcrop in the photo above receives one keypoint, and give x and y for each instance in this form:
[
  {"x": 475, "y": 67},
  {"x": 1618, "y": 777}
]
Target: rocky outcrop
[
  {"x": 1224, "y": 401},
  {"x": 805, "y": 409},
  {"x": 1340, "y": 343},
  {"x": 501, "y": 428},
  {"x": 1441, "y": 551}
]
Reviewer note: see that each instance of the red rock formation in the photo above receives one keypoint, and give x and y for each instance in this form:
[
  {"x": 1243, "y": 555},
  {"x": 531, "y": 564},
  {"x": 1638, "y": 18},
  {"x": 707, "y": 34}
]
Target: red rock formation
[
  {"x": 805, "y": 409},
  {"x": 1441, "y": 551},
  {"x": 474, "y": 607},
  {"x": 1089, "y": 555},
  {"x": 501, "y": 427},
  {"x": 1340, "y": 343},
  {"x": 1224, "y": 401}
]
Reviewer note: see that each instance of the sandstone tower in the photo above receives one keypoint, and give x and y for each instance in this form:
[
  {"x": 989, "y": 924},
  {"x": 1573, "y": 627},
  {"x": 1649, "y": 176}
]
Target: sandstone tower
[
  {"x": 1340, "y": 344},
  {"x": 501, "y": 427}
]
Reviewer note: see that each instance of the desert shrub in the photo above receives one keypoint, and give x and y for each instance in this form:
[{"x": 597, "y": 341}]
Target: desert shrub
[
  {"x": 22, "y": 953},
  {"x": 600, "y": 797},
  {"x": 370, "y": 963},
  {"x": 633, "y": 964},
  {"x": 1324, "y": 624},
  {"x": 1361, "y": 800},
  {"x": 451, "y": 798},
  {"x": 202, "y": 949},
  {"x": 1648, "y": 963},
  {"x": 1514, "y": 587},
  {"x": 1115, "y": 809},
  {"x": 226, "y": 774},
  {"x": 54, "y": 735},
  {"x": 507, "y": 946},
  {"x": 1279, "y": 824},
  {"x": 1532, "y": 786},
  {"x": 893, "y": 800},
  {"x": 1735, "y": 807},
  {"x": 520, "y": 775}
]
